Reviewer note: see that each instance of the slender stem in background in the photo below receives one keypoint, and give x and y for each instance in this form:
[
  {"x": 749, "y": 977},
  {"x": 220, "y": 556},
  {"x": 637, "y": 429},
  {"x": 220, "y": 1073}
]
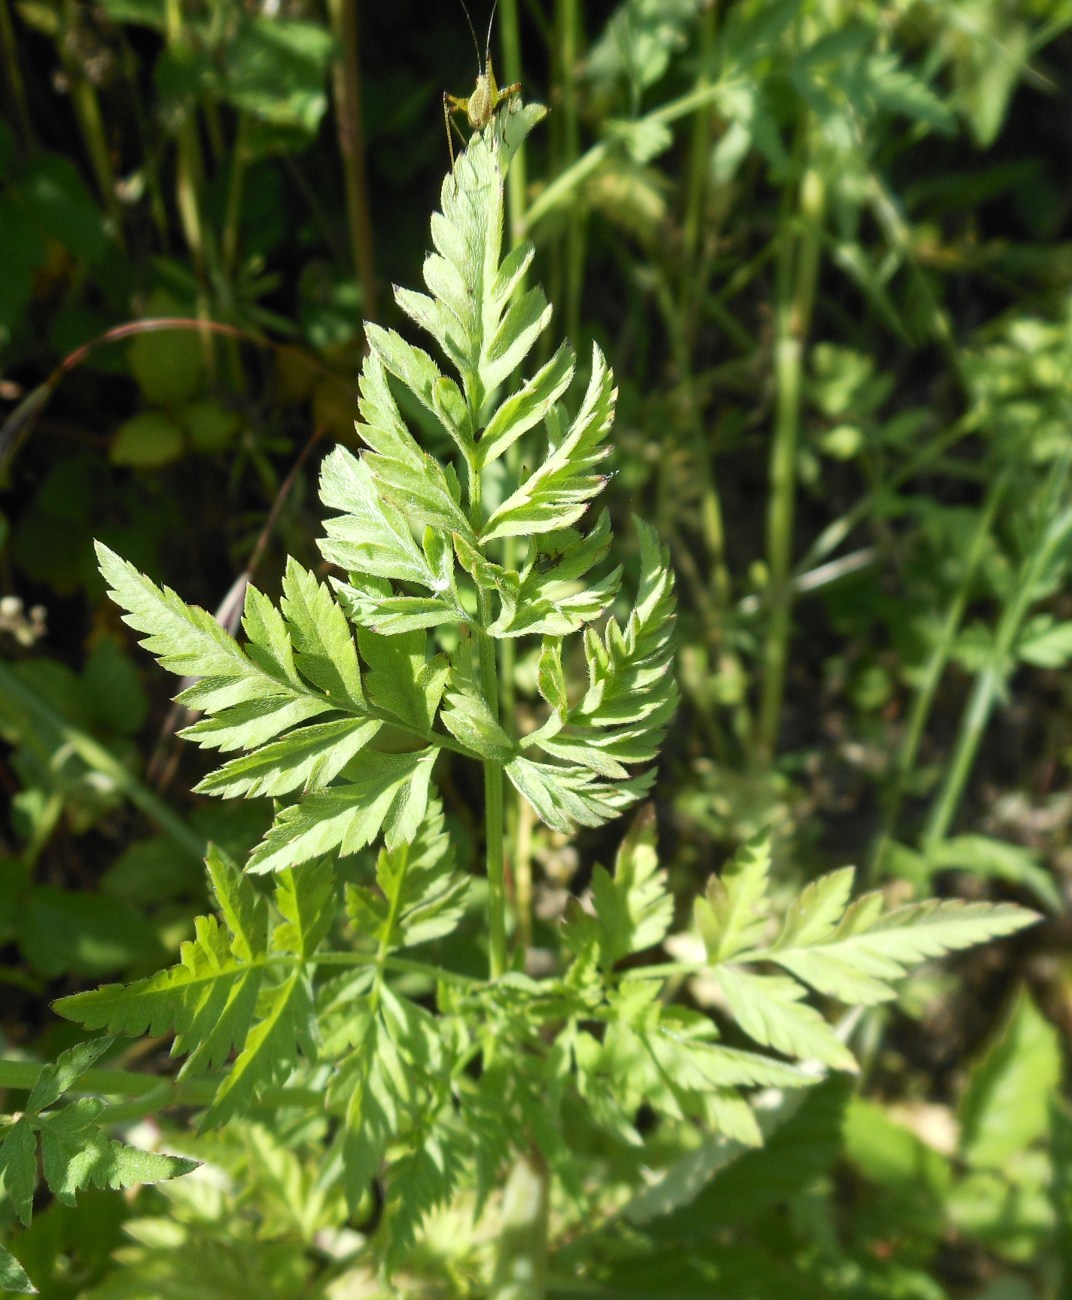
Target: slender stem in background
[
  {"x": 494, "y": 819},
  {"x": 101, "y": 760},
  {"x": 932, "y": 674},
  {"x": 693, "y": 225},
  {"x": 565, "y": 182},
  {"x": 189, "y": 184},
  {"x": 1055, "y": 525},
  {"x": 347, "y": 89},
  {"x": 568, "y": 24},
  {"x": 87, "y": 109},
  {"x": 15, "y": 83},
  {"x": 800, "y": 238},
  {"x": 233, "y": 213},
  {"x": 516, "y": 182}
]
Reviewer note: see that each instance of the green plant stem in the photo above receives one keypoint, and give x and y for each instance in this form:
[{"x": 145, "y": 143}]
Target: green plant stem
[
  {"x": 189, "y": 185},
  {"x": 932, "y": 673},
  {"x": 233, "y": 213},
  {"x": 101, "y": 760},
  {"x": 494, "y": 809},
  {"x": 693, "y": 224},
  {"x": 567, "y": 23},
  {"x": 516, "y": 185},
  {"x": 569, "y": 180},
  {"x": 15, "y": 83},
  {"x": 494, "y": 802},
  {"x": 836, "y": 532},
  {"x": 990, "y": 683},
  {"x": 800, "y": 239},
  {"x": 347, "y": 90}
]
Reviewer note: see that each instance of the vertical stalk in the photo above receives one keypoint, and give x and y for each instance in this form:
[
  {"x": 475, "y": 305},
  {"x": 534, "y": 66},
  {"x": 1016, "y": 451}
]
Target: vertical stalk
[
  {"x": 346, "y": 80},
  {"x": 17, "y": 90},
  {"x": 568, "y": 24},
  {"x": 494, "y": 805},
  {"x": 189, "y": 182},
  {"x": 932, "y": 674},
  {"x": 510, "y": 35},
  {"x": 798, "y": 272},
  {"x": 494, "y": 815},
  {"x": 990, "y": 683}
]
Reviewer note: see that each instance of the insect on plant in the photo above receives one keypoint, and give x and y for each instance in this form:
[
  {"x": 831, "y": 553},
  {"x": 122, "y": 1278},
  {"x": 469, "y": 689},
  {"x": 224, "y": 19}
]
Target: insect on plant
[{"x": 483, "y": 103}]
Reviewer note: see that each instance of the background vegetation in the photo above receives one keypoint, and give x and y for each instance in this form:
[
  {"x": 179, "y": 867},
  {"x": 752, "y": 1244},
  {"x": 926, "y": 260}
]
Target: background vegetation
[{"x": 827, "y": 248}]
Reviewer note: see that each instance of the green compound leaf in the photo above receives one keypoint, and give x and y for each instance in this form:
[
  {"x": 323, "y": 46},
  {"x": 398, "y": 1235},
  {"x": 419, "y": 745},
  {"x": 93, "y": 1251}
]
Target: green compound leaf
[
  {"x": 731, "y": 917},
  {"x": 387, "y": 792},
  {"x": 865, "y": 957},
  {"x": 420, "y": 895},
  {"x": 233, "y": 991},
  {"x": 633, "y": 908},
  {"x": 620, "y": 720},
  {"x": 1006, "y": 1104},
  {"x": 308, "y": 758},
  {"x": 62, "y": 1074},
  {"x": 558, "y": 493},
  {"x": 528, "y": 406},
  {"x": 74, "y": 1152},
  {"x": 402, "y": 681},
  {"x": 854, "y": 952},
  {"x": 324, "y": 649},
  {"x": 423, "y": 1178},
  {"x": 770, "y": 1010},
  {"x": 386, "y": 1085},
  {"x": 369, "y": 536}
]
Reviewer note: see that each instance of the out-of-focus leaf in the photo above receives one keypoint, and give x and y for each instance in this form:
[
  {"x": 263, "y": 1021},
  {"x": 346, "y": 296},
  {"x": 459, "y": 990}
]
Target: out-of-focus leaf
[{"x": 1005, "y": 1107}]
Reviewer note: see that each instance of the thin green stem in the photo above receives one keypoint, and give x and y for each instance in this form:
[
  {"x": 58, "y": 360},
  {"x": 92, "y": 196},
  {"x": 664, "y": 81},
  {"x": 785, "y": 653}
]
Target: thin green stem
[
  {"x": 516, "y": 183},
  {"x": 350, "y": 125},
  {"x": 494, "y": 805},
  {"x": 560, "y": 189},
  {"x": 933, "y": 671},
  {"x": 800, "y": 238},
  {"x": 101, "y": 760},
  {"x": 568, "y": 16},
  {"x": 1055, "y": 527},
  {"x": 494, "y": 808},
  {"x": 18, "y": 102},
  {"x": 233, "y": 213}
]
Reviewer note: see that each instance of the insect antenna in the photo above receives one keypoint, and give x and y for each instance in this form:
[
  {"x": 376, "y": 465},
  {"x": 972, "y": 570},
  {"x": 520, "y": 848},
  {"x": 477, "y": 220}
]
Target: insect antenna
[
  {"x": 472, "y": 32},
  {"x": 487, "y": 43}
]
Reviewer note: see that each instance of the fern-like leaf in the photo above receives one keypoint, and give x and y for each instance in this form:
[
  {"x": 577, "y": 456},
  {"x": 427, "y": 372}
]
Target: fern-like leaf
[
  {"x": 224, "y": 995},
  {"x": 420, "y": 896},
  {"x": 75, "y": 1153}
]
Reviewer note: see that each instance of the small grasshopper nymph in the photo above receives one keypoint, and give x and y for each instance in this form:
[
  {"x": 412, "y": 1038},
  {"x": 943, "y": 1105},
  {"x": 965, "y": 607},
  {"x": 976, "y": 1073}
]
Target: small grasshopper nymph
[{"x": 483, "y": 103}]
